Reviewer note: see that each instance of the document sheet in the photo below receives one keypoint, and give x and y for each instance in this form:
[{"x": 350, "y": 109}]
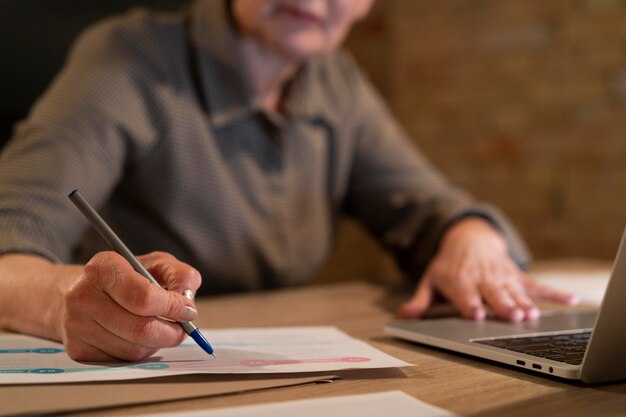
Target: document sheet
[
  {"x": 391, "y": 403},
  {"x": 30, "y": 360}
]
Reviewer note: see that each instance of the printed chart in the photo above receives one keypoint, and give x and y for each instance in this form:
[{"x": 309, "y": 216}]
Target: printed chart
[{"x": 30, "y": 360}]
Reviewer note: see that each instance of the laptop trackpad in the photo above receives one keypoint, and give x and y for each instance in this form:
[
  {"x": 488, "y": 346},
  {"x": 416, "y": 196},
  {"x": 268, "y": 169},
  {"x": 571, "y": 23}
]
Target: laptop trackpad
[{"x": 462, "y": 330}]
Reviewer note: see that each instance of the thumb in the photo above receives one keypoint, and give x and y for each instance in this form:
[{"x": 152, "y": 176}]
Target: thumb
[
  {"x": 419, "y": 303},
  {"x": 179, "y": 308}
]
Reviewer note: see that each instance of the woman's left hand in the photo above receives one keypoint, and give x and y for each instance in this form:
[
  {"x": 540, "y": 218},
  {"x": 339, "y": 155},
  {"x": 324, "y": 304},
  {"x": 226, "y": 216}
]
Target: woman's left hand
[{"x": 473, "y": 270}]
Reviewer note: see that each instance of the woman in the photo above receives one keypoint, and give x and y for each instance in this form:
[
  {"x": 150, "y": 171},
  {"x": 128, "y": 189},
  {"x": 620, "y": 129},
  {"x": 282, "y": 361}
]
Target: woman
[{"x": 231, "y": 136}]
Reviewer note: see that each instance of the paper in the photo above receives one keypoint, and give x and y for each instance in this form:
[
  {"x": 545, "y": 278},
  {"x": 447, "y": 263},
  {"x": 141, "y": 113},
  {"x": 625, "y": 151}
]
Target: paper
[
  {"x": 60, "y": 399},
  {"x": 589, "y": 286},
  {"x": 25, "y": 359},
  {"x": 391, "y": 403}
]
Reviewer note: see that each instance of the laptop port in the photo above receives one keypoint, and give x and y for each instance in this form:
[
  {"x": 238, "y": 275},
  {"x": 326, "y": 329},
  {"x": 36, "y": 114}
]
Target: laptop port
[
  {"x": 521, "y": 362},
  {"x": 536, "y": 366}
]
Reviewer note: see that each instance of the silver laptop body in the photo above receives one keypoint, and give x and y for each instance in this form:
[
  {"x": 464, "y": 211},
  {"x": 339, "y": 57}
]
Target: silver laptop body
[{"x": 603, "y": 358}]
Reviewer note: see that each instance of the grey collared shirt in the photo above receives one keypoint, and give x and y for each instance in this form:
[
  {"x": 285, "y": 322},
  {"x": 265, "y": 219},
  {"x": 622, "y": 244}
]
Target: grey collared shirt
[{"x": 193, "y": 165}]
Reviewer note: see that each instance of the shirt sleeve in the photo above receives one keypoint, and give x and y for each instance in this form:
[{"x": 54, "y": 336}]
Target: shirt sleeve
[
  {"x": 401, "y": 198},
  {"x": 81, "y": 133}
]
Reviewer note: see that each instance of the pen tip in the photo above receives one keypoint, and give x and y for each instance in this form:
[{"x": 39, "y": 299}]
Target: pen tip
[{"x": 213, "y": 354}]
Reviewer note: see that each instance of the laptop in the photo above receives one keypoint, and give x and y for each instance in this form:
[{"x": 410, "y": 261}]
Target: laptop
[{"x": 589, "y": 346}]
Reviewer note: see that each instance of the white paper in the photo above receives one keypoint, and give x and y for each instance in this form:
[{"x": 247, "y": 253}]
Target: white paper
[
  {"x": 589, "y": 286},
  {"x": 391, "y": 403},
  {"x": 26, "y": 359}
]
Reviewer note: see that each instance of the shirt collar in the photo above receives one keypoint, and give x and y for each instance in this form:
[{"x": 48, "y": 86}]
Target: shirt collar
[
  {"x": 308, "y": 96},
  {"x": 226, "y": 88},
  {"x": 220, "y": 70}
]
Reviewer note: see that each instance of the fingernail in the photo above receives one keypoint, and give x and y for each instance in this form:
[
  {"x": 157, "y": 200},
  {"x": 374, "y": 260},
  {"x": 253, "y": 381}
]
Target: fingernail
[
  {"x": 517, "y": 315},
  {"x": 406, "y": 311},
  {"x": 533, "y": 314},
  {"x": 188, "y": 313},
  {"x": 479, "y": 313},
  {"x": 574, "y": 300},
  {"x": 188, "y": 294}
]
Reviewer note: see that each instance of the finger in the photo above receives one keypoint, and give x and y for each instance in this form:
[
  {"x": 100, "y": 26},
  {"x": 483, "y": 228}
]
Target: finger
[
  {"x": 545, "y": 293},
  {"x": 501, "y": 290},
  {"x": 499, "y": 298},
  {"x": 464, "y": 294},
  {"x": 419, "y": 303},
  {"x": 173, "y": 274},
  {"x": 531, "y": 312},
  {"x": 87, "y": 310},
  {"x": 74, "y": 331},
  {"x": 114, "y": 275},
  {"x": 521, "y": 298},
  {"x": 97, "y": 344},
  {"x": 79, "y": 350},
  {"x": 151, "y": 332}
]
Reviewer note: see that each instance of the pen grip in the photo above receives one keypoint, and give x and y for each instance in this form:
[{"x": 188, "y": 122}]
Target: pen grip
[{"x": 116, "y": 243}]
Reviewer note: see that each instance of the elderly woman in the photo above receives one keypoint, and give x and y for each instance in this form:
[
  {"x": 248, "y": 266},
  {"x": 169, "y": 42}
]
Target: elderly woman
[{"x": 230, "y": 136}]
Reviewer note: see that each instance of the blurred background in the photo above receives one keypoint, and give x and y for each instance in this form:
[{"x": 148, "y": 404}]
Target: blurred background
[{"x": 523, "y": 103}]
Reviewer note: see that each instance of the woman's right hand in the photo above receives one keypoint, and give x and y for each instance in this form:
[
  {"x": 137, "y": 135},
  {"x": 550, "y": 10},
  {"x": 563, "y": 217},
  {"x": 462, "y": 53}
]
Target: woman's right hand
[{"x": 104, "y": 311}]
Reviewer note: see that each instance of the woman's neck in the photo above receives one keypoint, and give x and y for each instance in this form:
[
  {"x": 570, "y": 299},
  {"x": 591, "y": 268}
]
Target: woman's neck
[{"x": 268, "y": 70}]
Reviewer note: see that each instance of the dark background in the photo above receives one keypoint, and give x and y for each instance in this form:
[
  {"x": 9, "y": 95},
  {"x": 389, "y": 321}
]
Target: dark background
[{"x": 34, "y": 40}]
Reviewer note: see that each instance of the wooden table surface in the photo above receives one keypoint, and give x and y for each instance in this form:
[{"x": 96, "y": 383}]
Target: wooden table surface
[{"x": 457, "y": 383}]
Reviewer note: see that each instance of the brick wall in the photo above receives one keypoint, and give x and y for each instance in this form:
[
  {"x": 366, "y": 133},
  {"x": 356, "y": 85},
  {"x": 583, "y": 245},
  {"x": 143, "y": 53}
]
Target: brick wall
[{"x": 521, "y": 102}]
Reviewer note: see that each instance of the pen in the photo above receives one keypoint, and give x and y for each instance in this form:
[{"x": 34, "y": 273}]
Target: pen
[{"x": 116, "y": 243}]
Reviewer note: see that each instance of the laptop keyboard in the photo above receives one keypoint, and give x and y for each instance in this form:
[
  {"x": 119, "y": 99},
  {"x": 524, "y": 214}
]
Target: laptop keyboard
[{"x": 569, "y": 348}]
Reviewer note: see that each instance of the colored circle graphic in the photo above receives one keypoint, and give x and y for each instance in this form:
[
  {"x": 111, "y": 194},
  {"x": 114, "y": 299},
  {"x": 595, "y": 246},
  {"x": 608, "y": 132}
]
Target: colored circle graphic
[
  {"x": 47, "y": 350},
  {"x": 47, "y": 371},
  {"x": 152, "y": 366}
]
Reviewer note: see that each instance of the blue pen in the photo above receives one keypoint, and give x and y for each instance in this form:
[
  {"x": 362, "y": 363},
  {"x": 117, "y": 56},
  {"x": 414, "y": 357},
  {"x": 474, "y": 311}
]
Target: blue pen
[{"x": 116, "y": 243}]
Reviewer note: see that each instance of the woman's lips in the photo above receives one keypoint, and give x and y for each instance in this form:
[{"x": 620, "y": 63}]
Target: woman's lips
[{"x": 300, "y": 15}]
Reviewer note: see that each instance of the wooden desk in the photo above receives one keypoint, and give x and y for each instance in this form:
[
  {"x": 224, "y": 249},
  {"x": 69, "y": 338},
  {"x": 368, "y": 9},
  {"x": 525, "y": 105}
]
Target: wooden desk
[{"x": 466, "y": 386}]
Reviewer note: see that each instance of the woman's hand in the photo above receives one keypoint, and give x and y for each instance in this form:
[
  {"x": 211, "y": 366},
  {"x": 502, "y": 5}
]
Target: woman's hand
[
  {"x": 473, "y": 270},
  {"x": 112, "y": 312}
]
